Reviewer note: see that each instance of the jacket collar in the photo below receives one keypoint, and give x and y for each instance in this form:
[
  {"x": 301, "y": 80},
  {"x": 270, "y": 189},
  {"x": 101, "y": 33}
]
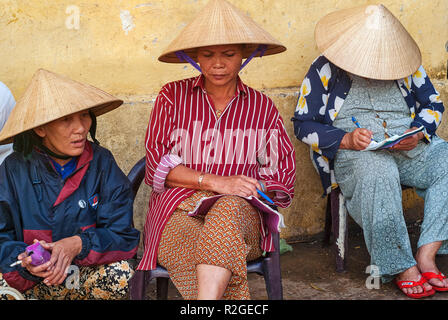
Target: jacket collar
[{"x": 83, "y": 159}]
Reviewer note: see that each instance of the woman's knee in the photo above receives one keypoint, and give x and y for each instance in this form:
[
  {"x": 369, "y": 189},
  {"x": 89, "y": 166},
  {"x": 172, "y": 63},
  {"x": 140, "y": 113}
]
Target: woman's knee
[
  {"x": 112, "y": 280},
  {"x": 230, "y": 206}
]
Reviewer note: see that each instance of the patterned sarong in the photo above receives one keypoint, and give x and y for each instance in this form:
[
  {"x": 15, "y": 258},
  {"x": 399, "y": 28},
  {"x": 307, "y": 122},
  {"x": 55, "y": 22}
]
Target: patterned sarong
[{"x": 228, "y": 236}]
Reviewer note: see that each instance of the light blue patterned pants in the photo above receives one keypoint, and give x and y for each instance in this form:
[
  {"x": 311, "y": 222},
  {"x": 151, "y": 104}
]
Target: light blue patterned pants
[{"x": 370, "y": 182}]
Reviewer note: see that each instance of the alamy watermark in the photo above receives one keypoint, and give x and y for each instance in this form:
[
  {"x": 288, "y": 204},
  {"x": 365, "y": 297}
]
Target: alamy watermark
[
  {"x": 232, "y": 146},
  {"x": 374, "y": 280},
  {"x": 72, "y": 280},
  {"x": 74, "y": 17}
]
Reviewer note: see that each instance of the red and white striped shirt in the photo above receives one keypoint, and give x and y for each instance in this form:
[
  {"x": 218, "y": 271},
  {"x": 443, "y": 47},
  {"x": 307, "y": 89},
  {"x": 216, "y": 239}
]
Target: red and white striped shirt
[{"x": 248, "y": 138}]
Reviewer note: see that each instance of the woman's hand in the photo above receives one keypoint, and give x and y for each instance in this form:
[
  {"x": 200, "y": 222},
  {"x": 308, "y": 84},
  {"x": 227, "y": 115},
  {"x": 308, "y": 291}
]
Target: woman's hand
[
  {"x": 239, "y": 185},
  {"x": 410, "y": 142},
  {"x": 236, "y": 185},
  {"x": 358, "y": 139},
  {"x": 62, "y": 254},
  {"x": 38, "y": 271}
]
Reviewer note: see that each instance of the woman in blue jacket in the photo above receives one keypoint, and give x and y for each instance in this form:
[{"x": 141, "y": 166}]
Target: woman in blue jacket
[
  {"x": 369, "y": 84},
  {"x": 66, "y": 192}
]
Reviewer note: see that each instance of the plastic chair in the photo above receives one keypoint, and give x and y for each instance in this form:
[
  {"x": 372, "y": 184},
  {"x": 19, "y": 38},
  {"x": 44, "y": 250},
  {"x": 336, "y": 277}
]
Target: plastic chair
[
  {"x": 268, "y": 266},
  {"x": 336, "y": 224}
]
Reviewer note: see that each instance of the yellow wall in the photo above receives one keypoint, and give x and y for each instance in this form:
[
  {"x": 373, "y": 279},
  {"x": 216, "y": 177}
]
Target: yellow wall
[{"x": 117, "y": 44}]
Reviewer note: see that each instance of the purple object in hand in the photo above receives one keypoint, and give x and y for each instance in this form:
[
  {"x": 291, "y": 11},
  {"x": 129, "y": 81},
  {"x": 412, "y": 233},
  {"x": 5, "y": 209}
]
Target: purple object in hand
[{"x": 38, "y": 254}]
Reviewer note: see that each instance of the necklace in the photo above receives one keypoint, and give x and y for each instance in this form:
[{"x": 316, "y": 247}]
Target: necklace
[{"x": 384, "y": 122}]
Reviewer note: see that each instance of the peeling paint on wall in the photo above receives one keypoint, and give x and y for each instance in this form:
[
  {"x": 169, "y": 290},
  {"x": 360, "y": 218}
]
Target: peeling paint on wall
[{"x": 127, "y": 22}]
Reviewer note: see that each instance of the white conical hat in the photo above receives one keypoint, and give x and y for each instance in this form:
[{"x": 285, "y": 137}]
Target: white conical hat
[
  {"x": 368, "y": 41},
  {"x": 219, "y": 23},
  {"x": 49, "y": 97}
]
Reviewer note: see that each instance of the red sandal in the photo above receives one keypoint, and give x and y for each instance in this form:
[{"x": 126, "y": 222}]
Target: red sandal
[
  {"x": 411, "y": 284},
  {"x": 431, "y": 275}
]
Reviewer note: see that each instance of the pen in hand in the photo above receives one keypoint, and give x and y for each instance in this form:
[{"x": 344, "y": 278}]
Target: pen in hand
[
  {"x": 356, "y": 122},
  {"x": 358, "y": 125},
  {"x": 265, "y": 197}
]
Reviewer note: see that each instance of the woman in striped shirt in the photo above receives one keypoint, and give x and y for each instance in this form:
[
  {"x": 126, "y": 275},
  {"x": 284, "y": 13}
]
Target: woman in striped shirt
[{"x": 213, "y": 135}]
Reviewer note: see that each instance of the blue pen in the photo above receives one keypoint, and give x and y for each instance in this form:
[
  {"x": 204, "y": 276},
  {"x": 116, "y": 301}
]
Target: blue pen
[
  {"x": 265, "y": 197},
  {"x": 358, "y": 125},
  {"x": 356, "y": 122}
]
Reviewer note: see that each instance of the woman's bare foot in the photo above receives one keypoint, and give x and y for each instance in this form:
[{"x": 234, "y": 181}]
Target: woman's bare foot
[
  {"x": 413, "y": 274},
  {"x": 426, "y": 262}
]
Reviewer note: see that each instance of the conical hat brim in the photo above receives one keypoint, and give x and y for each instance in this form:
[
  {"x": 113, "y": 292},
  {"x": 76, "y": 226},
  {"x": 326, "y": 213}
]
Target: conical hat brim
[
  {"x": 49, "y": 97},
  {"x": 220, "y": 23},
  {"x": 368, "y": 41}
]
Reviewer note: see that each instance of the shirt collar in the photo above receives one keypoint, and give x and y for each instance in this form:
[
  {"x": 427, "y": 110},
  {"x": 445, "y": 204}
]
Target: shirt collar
[
  {"x": 66, "y": 169},
  {"x": 241, "y": 88}
]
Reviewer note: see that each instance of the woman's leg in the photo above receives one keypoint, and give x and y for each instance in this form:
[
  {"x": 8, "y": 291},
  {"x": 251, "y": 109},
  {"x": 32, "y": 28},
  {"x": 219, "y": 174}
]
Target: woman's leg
[
  {"x": 192, "y": 249},
  {"x": 103, "y": 282},
  {"x": 230, "y": 237},
  {"x": 176, "y": 251},
  {"x": 428, "y": 172},
  {"x": 370, "y": 182},
  {"x": 212, "y": 281}
]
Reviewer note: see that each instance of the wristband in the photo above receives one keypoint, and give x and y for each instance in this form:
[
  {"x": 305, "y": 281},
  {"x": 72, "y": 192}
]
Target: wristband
[{"x": 263, "y": 186}]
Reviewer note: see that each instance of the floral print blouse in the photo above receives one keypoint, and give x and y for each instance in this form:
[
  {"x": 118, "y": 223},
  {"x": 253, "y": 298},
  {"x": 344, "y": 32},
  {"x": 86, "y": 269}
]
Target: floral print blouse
[{"x": 321, "y": 96}]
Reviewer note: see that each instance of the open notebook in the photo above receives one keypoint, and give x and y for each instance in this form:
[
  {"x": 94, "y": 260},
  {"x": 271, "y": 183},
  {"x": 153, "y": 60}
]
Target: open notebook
[
  {"x": 391, "y": 141},
  {"x": 273, "y": 219}
]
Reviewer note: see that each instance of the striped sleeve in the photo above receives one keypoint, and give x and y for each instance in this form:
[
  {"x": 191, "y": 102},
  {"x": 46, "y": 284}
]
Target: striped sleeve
[
  {"x": 157, "y": 140},
  {"x": 168, "y": 162},
  {"x": 279, "y": 169}
]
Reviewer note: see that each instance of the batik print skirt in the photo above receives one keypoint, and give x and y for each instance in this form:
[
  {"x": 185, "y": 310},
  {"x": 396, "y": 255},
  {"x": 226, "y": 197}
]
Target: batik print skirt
[
  {"x": 93, "y": 283},
  {"x": 227, "y": 236}
]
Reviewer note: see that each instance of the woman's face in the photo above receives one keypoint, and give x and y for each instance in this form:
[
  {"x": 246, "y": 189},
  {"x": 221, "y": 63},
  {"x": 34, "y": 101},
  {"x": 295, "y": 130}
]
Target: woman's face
[
  {"x": 66, "y": 136},
  {"x": 220, "y": 64}
]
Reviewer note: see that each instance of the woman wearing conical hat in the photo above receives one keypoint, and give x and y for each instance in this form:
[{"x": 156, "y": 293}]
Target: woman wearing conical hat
[
  {"x": 66, "y": 192},
  {"x": 212, "y": 135},
  {"x": 367, "y": 86}
]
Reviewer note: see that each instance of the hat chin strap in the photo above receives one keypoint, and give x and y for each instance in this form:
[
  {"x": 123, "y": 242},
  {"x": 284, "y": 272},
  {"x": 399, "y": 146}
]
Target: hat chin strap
[
  {"x": 182, "y": 56},
  {"x": 53, "y": 154},
  {"x": 261, "y": 49}
]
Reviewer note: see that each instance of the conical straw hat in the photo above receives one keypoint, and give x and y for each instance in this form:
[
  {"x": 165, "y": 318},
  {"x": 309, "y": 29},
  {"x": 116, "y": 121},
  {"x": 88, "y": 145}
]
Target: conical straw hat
[
  {"x": 219, "y": 23},
  {"x": 368, "y": 41},
  {"x": 50, "y": 96}
]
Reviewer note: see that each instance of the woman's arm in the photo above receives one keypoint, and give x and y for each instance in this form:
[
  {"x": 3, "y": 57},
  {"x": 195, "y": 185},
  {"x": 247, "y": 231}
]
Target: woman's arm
[
  {"x": 278, "y": 169},
  {"x": 240, "y": 185},
  {"x": 10, "y": 225},
  {"x": 315, "y": 99},
  {"x": 157, "y": 139},
  {"x": 429, "y": 105},
  {"x": 113, "y": 238}
]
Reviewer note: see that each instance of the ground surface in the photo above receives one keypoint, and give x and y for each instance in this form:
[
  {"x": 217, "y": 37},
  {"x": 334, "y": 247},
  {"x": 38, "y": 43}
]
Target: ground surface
[{"x": 308, "y": 273}]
